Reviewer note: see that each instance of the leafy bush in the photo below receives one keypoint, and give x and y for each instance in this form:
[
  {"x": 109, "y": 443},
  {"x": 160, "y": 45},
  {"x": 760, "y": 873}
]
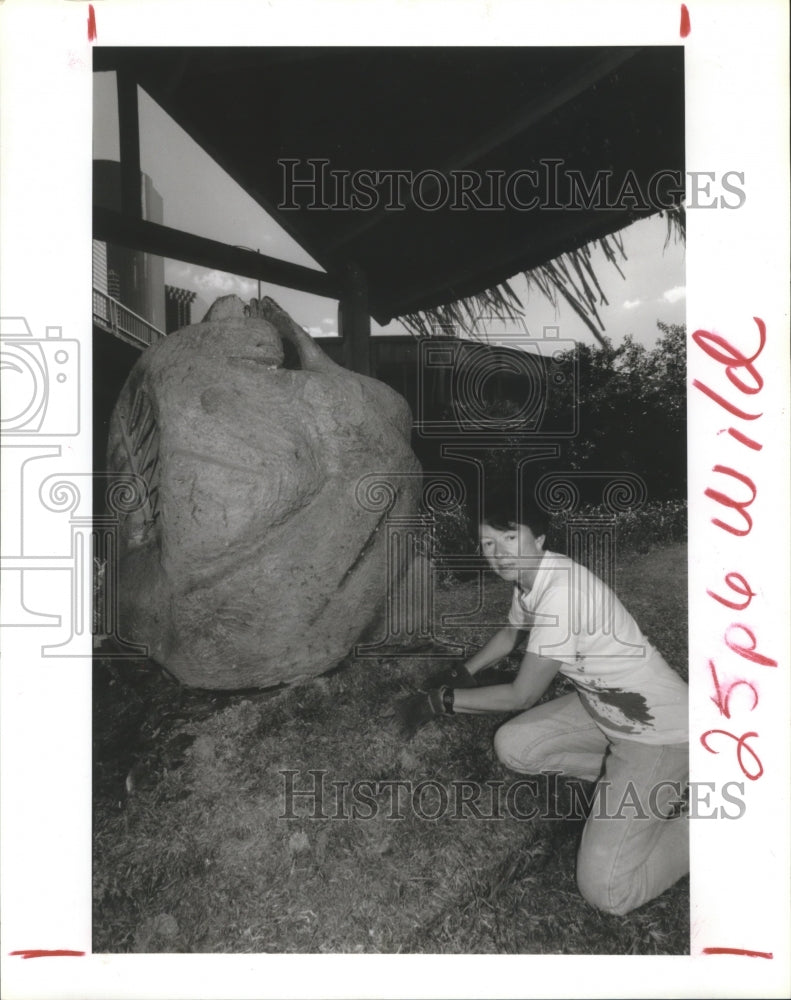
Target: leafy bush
[
  {"x": 627, "y": 403},
  {"x": 657, "y": 523},
  {"x": 631, "y": 409}
]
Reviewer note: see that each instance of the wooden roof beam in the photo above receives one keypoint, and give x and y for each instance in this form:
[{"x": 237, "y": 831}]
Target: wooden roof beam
[
  {"x": 354, "y": 321},
  {"x": 129, "y": 144},
  {"x": 150, "y": 237},
  {"x": 283, "y": 219}
]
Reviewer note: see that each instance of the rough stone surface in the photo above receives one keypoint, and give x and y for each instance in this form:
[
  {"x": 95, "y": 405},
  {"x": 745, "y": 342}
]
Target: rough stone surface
[{"x": 256, "y": 556}]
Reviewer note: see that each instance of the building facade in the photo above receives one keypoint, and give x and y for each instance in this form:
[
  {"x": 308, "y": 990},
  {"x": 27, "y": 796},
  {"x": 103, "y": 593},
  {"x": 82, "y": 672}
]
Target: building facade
[{"x": 134, "y": 278}]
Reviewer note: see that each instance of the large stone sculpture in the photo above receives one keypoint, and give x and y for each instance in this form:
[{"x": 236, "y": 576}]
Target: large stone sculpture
[{"x": 252, "y": 560}]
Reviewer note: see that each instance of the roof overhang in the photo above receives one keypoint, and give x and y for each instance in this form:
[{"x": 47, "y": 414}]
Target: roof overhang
[{"x": 609, "y": 121}]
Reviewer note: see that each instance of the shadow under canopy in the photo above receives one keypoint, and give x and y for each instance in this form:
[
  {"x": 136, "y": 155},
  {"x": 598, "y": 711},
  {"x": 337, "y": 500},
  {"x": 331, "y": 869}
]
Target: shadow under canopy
[{"x": 591, "y": 139}]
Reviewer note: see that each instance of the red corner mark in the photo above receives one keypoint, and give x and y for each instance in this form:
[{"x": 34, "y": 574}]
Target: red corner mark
[
  {"x": 91, "y": 23},
  {"x": 685, "y": 26},
  {"x": 41, "y": 953},
  {"x": 738, "y": 951}
]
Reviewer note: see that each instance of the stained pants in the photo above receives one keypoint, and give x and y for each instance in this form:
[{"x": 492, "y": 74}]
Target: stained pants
[{"x": 630, "y": 851}]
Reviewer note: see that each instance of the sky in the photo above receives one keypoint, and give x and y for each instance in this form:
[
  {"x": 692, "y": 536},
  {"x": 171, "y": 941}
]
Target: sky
[{"x": 199, "y": 197}]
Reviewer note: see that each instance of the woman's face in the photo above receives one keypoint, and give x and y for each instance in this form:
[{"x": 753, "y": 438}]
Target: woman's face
[{"x": 514, "y": 554}]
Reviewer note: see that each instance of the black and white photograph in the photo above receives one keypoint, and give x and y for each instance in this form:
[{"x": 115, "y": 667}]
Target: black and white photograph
[
  {"x": 402, "y": 530},
  {"x": 338, "y": 525}
]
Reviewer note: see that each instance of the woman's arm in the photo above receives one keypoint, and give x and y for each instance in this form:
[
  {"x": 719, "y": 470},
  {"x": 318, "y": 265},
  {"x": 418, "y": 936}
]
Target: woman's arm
[
  {"x": 500, "y": 645},
  {"x": 535, "y": 674},
  {"x": 534, "y": 677}
]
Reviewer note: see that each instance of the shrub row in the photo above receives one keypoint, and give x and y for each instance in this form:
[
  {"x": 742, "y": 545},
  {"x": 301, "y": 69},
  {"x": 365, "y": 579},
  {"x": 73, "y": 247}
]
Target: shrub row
[{"x": 654, "y": 524}]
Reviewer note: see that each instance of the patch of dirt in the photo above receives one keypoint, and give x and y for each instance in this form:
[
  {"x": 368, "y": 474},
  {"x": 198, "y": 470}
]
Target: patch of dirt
[{"x": 273, "y": 821}]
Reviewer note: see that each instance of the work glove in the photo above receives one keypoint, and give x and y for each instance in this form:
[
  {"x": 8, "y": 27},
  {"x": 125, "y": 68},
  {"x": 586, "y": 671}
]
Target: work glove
[
  {"x": 456, "y": 676},
  {"x": 415, "y": 711}
]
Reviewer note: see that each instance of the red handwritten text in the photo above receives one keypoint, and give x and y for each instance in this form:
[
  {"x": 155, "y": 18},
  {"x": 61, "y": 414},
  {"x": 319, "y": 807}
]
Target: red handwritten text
[
  {"x": 742, "y": 373},
  {"x": 743, "y": 588},
  {"x": 43, "y": 953},
  {"x": 738, "y": 951},
  {"x": 735, "y": 695},
  {"x": 685, "y": 27}
]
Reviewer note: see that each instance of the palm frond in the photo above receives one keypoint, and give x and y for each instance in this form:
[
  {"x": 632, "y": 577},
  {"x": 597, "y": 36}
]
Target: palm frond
[
  {"x": 570, "y": 277},
  {"x": 676, "y": 219}
]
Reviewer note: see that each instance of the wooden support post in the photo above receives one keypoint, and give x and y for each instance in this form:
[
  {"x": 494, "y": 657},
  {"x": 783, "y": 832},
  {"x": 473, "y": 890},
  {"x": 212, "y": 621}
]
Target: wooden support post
[
  {"x": 354, "y": 322},
  {"x": 129, "y": 142}
]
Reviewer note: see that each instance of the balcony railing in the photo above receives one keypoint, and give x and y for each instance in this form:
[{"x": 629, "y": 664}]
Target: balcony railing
[{"x": 123, "y": 322}]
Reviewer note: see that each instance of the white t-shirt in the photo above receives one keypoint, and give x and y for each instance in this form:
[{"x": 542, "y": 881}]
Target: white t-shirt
[{"x": 623, "y": 682}]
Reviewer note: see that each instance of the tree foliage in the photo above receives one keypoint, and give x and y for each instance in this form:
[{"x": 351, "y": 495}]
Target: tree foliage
[
  {"x": 631, "y": 403},
  {"x": 629, "y": 407}
]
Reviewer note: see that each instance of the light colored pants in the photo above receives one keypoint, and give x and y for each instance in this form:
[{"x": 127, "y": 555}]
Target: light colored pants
[{"x": 629, "y": 852}]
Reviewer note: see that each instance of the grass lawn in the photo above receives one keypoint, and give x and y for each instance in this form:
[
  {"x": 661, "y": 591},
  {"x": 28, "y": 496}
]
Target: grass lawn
[{"x": 194, "y": 850}]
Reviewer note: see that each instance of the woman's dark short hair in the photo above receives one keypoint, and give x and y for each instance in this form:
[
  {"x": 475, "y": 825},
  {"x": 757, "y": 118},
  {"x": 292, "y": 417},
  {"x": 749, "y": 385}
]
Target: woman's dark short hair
[{"x": 504, "y": 508}]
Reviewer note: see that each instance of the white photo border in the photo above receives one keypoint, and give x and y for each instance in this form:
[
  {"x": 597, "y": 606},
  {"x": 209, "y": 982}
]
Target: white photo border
[{"x": 737, "y": 271}]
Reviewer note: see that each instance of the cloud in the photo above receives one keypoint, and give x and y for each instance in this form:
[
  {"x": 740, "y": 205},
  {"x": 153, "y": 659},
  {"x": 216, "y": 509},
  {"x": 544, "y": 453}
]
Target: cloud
[
  {"x": 632, "y": 303},
  {"x": 328, "y": 321},
  {"x": 315, "y": 331},
  {"x": 210, "y": 284},
  {"x": 675, "y": 293},
  {"x": 223, "y": 284}
]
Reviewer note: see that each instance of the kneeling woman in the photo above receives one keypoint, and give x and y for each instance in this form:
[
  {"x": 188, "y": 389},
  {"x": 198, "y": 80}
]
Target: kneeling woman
[{"x": 624, "y": 726}]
